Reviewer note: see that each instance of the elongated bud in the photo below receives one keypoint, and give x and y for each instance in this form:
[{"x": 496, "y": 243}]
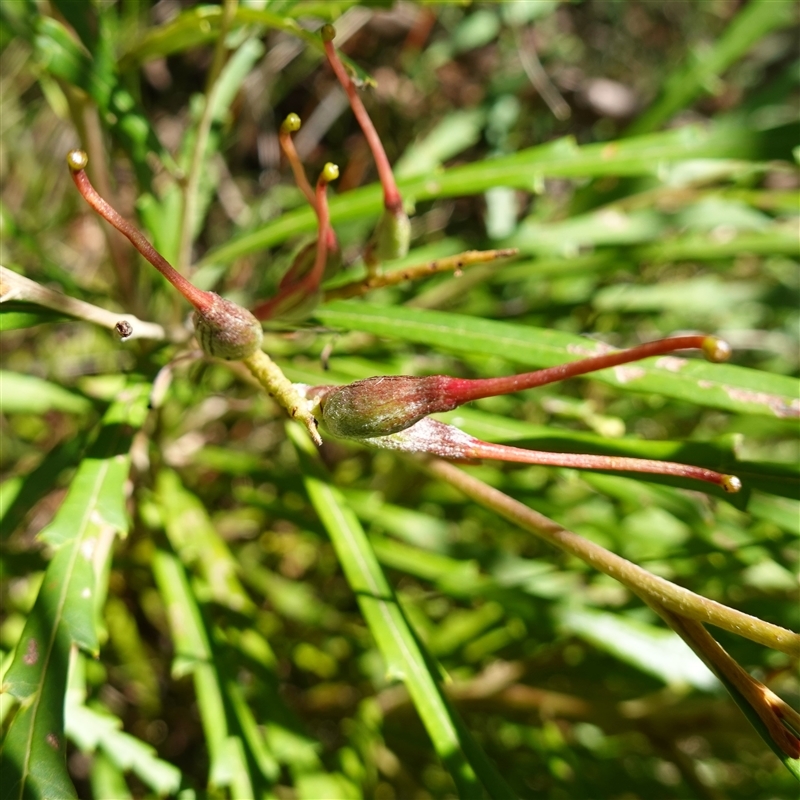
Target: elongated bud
[
  {"x": 381, "y": 406},
  {"x": 391, "y": 238},
  {"x": 223, "y": 329}
]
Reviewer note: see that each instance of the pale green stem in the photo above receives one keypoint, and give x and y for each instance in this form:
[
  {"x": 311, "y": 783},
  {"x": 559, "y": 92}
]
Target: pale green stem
[
  {"x": 201, "y": 141},
  {"x": 770, "y": 708},
  {"x": 269, "y": 375},
  {"x": 648, "y": 586}
]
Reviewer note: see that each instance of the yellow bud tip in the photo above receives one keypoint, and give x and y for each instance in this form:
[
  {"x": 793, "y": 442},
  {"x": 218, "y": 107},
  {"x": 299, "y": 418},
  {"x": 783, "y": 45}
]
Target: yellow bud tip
[
  {"x": 731, "y": 484},
  {"x": 291, "y": 124},
  {"x": 77, "y": 160},
  {"x": 330, "y": 172},
  {"x": 328, "y": 33},
  {"x": 716, "y": 350}
]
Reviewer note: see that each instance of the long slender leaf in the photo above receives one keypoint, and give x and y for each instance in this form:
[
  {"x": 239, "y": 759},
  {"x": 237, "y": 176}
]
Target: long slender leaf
[
  {"x": 401, "y": 650},
  {"x": 64, "y": 611},
  {"x": 654, "y": 154}
]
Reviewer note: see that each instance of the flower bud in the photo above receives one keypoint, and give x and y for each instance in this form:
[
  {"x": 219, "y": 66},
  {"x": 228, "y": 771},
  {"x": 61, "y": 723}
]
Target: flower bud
[
  {"x": 225, "y": 330},
  {"x": 391, "y": 237},
  {"x": 383, "y": 405}
]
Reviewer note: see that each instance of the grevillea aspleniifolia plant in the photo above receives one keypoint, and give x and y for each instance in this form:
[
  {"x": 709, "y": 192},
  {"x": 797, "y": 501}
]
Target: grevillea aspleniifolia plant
[
  {"x": 206, "y": 619},
  {"x": 392, "y": 412}
]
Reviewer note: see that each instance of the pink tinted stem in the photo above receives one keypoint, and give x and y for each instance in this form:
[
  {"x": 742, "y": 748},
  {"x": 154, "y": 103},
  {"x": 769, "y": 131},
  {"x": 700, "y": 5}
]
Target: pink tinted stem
[
  {"x": 312, "y": 280},
  {"x": 76, "y": 160},
  {"x": 478, "y": 449},
  {"x": 289, "y": 150},
  {"x": 462, "y": 390},
  {"x": 391, "y": 196}
]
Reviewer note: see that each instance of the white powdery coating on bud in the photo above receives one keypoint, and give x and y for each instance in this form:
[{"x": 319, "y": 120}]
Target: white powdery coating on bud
[{"x": 427, "y": 436}]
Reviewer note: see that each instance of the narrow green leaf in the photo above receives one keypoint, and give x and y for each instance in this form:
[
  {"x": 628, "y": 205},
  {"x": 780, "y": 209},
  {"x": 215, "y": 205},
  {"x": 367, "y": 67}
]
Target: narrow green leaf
[
  {"x": 15, "y": 315},
  {"x": 195, "y": 540},
  {"x": 94, "y": 729},
  {"x": 404, "y": 657},
  {"x": 654, "y": 154},
  {"x": 64, "y": 611},
  {"x": 189, "y": 637},
  {"x": 194, "y": 655},
  {"x": 714, "y": 385},
  {"x": 27, "y": 394},
  {"x": 20, "y": 494},
  {"x": 107, "y": 779},
  {"x": 33, "y": 761},
  {"x": 656, "y": 651},
  {"x": 700, "y": 73}
]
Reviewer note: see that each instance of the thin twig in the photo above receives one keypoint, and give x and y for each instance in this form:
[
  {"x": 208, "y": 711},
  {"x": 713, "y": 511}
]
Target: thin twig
[
  {"x": 648, "y": 586},
  {"x": 539, "y": 78},
  {"x": 17, "y": 287},
  {"x": 769, "y": 707},
  {"x": 448, "y": 264}
]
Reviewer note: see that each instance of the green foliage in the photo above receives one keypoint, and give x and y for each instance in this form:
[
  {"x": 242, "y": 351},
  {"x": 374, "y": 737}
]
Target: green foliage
[{"x": 198, "y": 602}]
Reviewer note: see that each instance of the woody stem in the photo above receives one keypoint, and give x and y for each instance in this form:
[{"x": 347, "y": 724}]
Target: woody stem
[{"x": 671, "y": 596}]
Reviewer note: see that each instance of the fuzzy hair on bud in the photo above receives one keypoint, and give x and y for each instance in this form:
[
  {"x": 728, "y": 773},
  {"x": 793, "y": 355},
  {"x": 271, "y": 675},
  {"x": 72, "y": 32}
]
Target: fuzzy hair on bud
[
  {"x": 381, "y": 406},
  {"x": 225, "y": 330}
]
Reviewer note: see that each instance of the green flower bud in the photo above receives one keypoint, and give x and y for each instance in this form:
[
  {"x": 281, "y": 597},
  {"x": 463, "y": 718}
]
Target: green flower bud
[
  {"x": 382, "y": 405},
  {"x": 225, "y": 330},
  {"x": 391, "y": 237}
]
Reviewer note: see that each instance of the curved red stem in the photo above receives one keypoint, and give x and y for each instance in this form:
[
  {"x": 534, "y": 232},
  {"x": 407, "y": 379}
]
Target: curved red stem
[
  {"x": 391, "y": 196},
  {"x": 197, "y": 297}
]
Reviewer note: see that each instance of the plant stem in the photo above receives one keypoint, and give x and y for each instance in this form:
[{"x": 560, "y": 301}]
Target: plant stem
[
  {"x": 17, "y": 287},
  {"x": 648, "y": 586},
  {"x": 191, "y": 188},
  {"x": 288, "y": 126},
  {"x": 391, "y": 196},
  {"x": 269, "y": 375},
  {"x": 308, "y": 284},
  {"x": 77, "y": 160},
  {"x": 770, "y": 708},
  {"x": 447, "y": 264}
]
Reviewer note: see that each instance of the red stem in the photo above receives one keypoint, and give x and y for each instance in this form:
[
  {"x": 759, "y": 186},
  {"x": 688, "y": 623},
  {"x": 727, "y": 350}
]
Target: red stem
[
  {"x": 462, "y": 390},
  {"x": 312, "y": 280},
  {"x": 479, "y": 449},
  {"x": 391, "y": 196},
  {"x": 289, "y": 150},
  {"x": 77, "y": 161}
]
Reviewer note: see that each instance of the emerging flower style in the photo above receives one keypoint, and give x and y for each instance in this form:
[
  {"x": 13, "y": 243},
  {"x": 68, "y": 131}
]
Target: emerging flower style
[
  {"x": 391, "y": 412},
  {"x": 393, "y": 233},
  {"x": 224, "y": 329}
]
